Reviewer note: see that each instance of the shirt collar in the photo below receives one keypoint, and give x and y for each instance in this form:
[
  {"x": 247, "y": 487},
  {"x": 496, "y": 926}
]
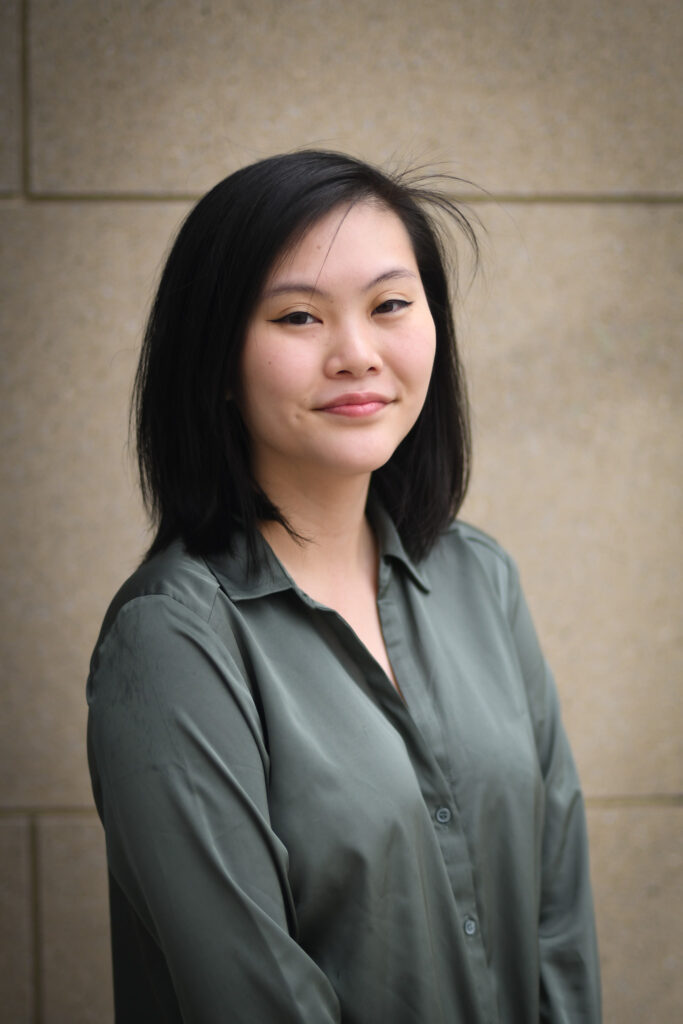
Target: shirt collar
[
  {"x": 267, "y": 575},
  {"x": 390, "y": 543}
]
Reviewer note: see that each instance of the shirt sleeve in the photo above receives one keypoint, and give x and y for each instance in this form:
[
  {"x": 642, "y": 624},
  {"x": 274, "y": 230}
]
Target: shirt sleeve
[
  {"x": 569, "y": 967},
  {"x": 180, "y": 767}
]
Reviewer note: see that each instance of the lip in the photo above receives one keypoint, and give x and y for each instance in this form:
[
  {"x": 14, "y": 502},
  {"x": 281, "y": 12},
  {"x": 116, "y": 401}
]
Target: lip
[{"x": 356, "y": 404}]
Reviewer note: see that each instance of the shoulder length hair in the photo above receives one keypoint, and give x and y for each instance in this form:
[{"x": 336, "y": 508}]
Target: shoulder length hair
[{"x": 192, "y": 445}]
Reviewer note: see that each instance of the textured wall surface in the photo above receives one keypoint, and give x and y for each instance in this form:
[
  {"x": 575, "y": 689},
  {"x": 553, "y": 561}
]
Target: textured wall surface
[{"x": 114, "y": 116}]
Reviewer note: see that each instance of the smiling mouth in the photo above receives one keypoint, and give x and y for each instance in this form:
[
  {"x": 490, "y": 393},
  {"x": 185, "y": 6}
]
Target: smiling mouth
[{"x": 356, "y": 406}]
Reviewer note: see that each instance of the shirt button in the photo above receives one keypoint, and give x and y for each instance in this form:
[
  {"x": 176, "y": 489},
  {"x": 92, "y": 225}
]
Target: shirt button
[
  {"x": 470, "y": 927},
  {"x": 443, "y": 815}
]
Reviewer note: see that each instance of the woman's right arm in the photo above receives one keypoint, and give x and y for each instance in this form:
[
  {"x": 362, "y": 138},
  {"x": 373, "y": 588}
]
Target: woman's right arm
[{"x": 179, "y": 768}]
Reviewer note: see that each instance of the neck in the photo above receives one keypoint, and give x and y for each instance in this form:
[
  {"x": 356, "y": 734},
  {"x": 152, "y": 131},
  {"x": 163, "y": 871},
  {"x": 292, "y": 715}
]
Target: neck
[{"x": 330, "y": 517}]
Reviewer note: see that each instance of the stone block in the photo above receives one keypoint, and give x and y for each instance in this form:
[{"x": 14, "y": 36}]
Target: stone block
[
  {"x": 572, "y": 340},
  {"x": 637, "y": 857},
  {"x": 75, "y": 283},
  {"x": 520, "y": 97},
  {"x": 10, "y": 96},
  {"x": 16, "y": 923},
  {"x": 75, "y": 954}
]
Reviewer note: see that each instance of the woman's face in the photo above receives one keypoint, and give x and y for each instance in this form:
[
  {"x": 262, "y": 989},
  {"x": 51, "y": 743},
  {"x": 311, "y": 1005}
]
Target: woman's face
[{"x": 338, "y": 352}]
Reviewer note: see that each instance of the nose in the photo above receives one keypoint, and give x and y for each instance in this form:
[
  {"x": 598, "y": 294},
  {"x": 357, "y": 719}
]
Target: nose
[{"x": 353, "y": 351}]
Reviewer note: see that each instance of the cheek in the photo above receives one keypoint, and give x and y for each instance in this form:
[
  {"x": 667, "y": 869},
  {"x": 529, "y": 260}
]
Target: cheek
[
  {"x": 255, "y": 390},
  {"x": 279, "y": 369},
  {"x": 418, "y": 355},
  {"x": 261, "y": 374},
  {"x": 273, "y": 388}
]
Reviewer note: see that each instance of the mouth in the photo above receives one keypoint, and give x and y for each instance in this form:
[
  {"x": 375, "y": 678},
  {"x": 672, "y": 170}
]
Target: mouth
[{"x": 356, "y": 404}]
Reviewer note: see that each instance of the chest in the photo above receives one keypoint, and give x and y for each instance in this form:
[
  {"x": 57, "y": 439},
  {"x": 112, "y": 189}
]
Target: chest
[
  {"x": 459, "y": 724},
  {"x": 354, "y": 601}
]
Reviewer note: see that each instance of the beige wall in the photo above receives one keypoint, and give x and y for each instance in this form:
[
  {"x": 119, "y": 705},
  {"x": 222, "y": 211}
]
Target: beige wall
[{"x": 113, "y": 116}]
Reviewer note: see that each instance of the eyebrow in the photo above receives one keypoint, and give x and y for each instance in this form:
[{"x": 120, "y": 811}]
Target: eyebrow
[{"x": 312, "y": 289}]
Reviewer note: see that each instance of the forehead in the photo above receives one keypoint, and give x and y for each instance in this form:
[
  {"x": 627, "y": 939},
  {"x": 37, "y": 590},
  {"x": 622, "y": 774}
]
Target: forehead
[{"x": 356, "y": 236}]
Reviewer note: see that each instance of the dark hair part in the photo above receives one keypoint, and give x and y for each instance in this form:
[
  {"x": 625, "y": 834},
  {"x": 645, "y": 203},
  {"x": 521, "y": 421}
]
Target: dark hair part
[{"x": 192, "y": 445}]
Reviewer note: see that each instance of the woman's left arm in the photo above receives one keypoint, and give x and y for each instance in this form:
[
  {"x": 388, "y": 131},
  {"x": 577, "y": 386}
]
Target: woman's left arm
[{"x": 569, "y": 967}]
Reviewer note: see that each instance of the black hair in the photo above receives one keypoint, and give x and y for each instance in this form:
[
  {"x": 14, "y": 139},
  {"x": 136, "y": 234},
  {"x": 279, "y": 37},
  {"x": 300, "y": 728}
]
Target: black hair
[{"x": 192, "y": 445}]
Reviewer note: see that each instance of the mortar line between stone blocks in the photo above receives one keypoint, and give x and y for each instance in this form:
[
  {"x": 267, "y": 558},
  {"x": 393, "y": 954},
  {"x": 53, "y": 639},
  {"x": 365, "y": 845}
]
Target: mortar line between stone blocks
[
  {"x": 36, "y": 924},
  {"x": 491, "y": 199},
  {"x": 35, "y": 811},
  {"x": 25, "y": 102},
  {"x": 113, "y": 197},
  {"x": 635, "y": 800},
  {"x": 577, "y": 199},
  {"x": 47, "y": 810}
]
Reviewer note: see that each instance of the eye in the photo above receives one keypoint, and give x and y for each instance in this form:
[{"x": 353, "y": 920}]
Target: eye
[
  {"x": 300, "y": 318},
  {"x": 391, "y": 306}
]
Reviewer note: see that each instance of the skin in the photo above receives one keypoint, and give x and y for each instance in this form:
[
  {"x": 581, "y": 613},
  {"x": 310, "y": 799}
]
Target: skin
[{"x": 336, "y": 364}]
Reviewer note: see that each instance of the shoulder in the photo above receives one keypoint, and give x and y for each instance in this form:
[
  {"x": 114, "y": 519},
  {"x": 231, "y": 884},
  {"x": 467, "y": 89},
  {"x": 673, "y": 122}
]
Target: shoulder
[
  {"x": 478, "y": 559},
  {"x": 166, "y": 630},
  {"x": 173, "y": 578},
  {"x": 165, "y": 672}
]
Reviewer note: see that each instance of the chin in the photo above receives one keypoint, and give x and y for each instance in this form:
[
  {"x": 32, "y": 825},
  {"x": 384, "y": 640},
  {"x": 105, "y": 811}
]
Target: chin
[{"x": 359, "y": 465}]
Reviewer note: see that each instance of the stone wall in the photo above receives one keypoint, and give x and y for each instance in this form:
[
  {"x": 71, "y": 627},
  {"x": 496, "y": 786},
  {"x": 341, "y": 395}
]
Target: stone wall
[{"x": 114, "y": 117}]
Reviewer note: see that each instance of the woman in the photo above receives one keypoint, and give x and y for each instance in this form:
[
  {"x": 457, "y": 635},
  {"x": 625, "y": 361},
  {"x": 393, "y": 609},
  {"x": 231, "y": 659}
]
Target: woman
[{"x": 324, "y": 743}]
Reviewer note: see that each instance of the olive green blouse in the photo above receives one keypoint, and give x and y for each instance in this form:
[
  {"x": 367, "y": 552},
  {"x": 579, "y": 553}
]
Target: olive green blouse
[{"x": 291, "y": 841}]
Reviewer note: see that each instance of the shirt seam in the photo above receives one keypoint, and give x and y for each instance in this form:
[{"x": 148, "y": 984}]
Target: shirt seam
[{"x": 206, "y": 619}]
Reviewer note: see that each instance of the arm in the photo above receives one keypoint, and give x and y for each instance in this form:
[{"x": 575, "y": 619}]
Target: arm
[
  {"x": 180, "y": 768},
  {"x": 570, "y": 981}
]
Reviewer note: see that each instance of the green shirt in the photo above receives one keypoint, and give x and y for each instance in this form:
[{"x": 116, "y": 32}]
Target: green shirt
[{"x": 291, "y": 841}]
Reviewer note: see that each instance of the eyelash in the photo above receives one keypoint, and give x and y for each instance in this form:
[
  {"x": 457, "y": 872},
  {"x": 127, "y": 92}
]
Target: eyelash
[
  {"x": 288, "y": 318},
  {"x": 402, "y": 304}
]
